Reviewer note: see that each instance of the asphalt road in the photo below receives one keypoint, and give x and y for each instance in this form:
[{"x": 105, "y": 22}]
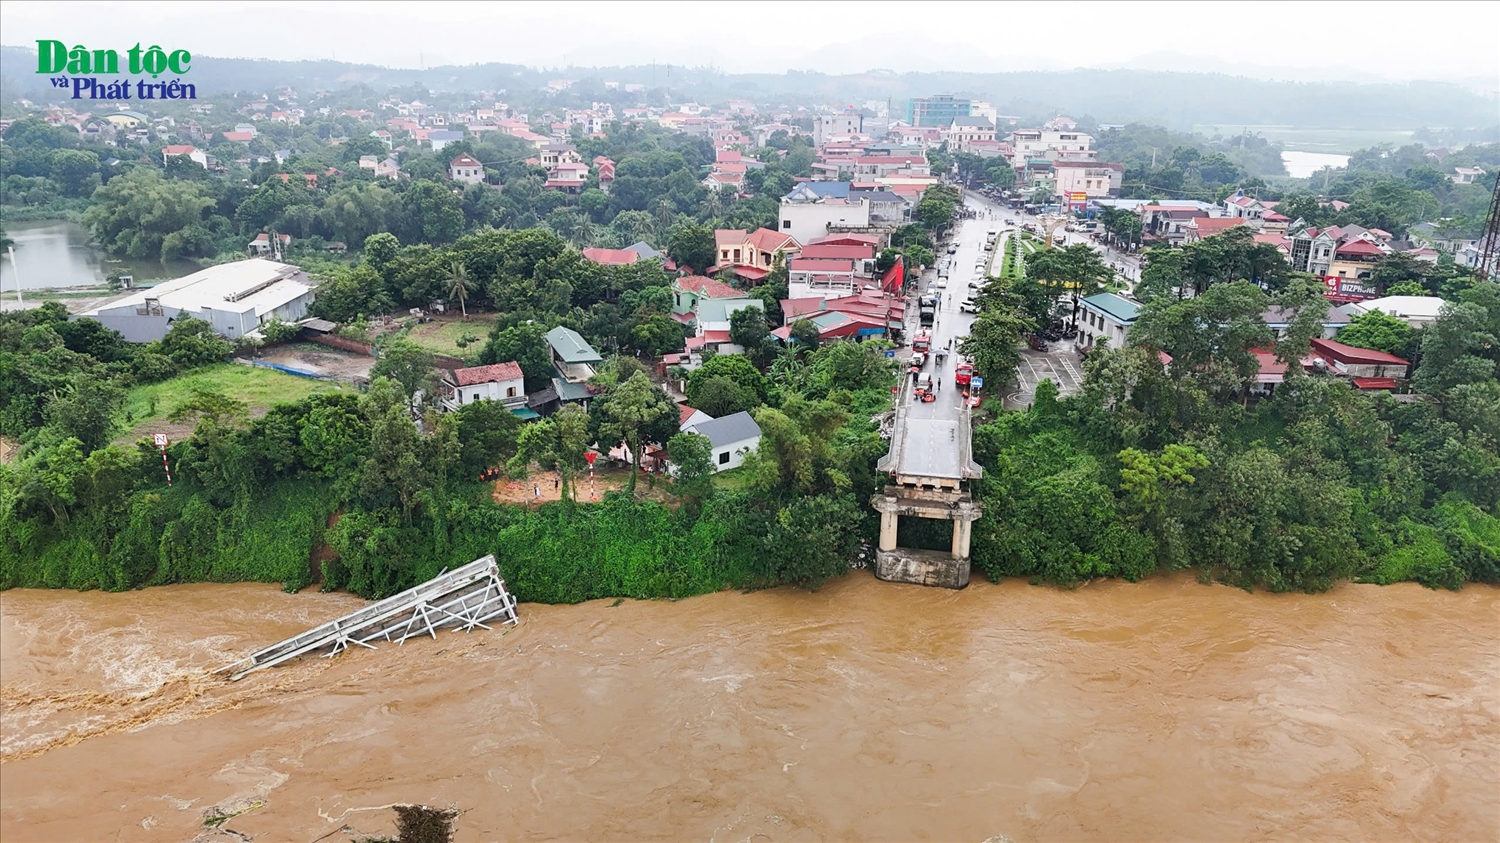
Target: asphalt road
[
  {"x": 1127, "y": 265},
  {"x": 929, "y": 445}
]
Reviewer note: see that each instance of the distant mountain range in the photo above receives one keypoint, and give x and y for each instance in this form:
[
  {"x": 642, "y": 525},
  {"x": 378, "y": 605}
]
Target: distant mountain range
[{"x": 1169, "y": 98}]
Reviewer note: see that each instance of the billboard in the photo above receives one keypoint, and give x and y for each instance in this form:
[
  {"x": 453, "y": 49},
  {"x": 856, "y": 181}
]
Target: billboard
[{"x": 1348, "y": 289}]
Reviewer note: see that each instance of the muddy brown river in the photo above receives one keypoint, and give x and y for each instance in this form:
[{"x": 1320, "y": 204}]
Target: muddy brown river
[{"x": 1165, "y": 710}]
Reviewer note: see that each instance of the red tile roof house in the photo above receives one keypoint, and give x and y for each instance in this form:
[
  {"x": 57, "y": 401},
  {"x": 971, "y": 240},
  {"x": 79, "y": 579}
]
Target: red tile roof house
[
  {"x": 567, "y": 177},
  {"x": 750, "y": 254},
  {"x": 501, "y": 382},
  {"x": 611, "y": 257},
  {"x": 1365, "y": 368},
  {"x": 687, "y": 290},
  {"x": 1199, "y": 229}
]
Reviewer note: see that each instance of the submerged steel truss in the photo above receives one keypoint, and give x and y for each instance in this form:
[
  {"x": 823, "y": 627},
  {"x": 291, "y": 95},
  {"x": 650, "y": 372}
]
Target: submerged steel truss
[{"x": 463, "y": 598}]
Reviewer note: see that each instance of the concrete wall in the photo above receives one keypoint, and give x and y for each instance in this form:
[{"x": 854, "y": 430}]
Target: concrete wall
[
  {"x": 735, "y": 453},
  {"x": 133, "y": 327}
]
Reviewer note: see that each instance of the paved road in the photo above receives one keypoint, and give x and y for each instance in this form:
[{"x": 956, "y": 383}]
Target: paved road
[
  {"x": 1128, "y": 265},
  {"x": 929, "y": 445}
]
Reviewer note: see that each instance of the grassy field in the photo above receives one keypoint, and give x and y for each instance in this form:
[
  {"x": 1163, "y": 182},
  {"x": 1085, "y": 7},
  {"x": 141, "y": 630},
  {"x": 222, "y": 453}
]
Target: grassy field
[
  {"x": 1343, "y": 141},
  {"x": 147, "y": 407},
  {"x": 441, "y": 334}
]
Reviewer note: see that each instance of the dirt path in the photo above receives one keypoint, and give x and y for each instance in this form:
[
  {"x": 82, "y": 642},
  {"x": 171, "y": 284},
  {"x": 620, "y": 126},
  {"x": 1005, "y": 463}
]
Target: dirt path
[{"x": 543, "y": 487}]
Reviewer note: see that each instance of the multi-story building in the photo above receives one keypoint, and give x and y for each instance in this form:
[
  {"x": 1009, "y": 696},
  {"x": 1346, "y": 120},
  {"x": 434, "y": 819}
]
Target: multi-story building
[
  {"x": 966, "y": 130},
  {"x": 936, "y": 111},
  {"x": 829, "y": 126},
  {"x": 1053, "y": 145},
  {"x": 1093, "y": 179}
]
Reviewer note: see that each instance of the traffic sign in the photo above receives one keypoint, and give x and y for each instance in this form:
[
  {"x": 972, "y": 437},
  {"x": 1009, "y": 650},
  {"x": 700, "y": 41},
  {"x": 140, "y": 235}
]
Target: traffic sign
[{"x": 160, "y": 439}]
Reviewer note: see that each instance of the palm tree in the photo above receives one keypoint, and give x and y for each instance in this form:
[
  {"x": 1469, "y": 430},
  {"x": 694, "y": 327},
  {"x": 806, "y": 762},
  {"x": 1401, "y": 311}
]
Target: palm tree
[
  {"x": 713, "y": 205},
  {"x": 665, "y": 213},
  {"x": 583, "y": 232},
  {"x": 641, "y": 228},
  {"x": 459, "y": 286}
]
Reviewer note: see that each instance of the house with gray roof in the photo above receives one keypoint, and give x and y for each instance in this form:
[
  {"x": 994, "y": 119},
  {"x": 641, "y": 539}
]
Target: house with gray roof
[{"x": 732, "y": 437}]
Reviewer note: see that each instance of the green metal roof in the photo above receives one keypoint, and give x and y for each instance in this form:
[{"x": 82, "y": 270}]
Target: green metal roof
[
  {"x": 569, "y": 391},
  {"x": 525, "y": 413},
  {"x": 718, "y": 310},
  {"x": 570, "y": 347},
  {"x": 1119, "y": 309}
]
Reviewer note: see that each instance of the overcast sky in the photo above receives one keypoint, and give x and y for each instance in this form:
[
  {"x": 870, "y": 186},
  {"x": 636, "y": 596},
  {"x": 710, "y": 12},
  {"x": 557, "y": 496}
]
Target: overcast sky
[{"x": 1304, "y": 40}]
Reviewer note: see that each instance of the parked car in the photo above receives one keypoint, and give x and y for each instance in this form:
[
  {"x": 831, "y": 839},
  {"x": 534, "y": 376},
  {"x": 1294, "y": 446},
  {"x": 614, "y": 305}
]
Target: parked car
[
  {"x": 968, "y": 307},
  {"x": 940, "y": 284}
]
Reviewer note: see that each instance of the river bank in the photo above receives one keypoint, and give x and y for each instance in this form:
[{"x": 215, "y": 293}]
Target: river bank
[{"x": 1160, "y": 710}]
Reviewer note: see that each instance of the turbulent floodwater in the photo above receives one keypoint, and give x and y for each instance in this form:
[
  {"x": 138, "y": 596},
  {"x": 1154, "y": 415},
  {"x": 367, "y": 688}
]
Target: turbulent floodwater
[{"x": 1165, "y": 710}]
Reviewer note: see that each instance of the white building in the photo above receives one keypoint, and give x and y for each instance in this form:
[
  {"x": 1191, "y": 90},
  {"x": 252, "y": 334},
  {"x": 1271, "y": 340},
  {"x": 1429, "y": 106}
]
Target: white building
[
  {"x": 466, "y": 169},
  {"x": 829, "y": 126},
  {"x": 965, "y": 130},
  {"x": 805, "y": 219},
  {"x": 732, "y": 437},
  {"x": 235, "y": 298},
  {"x": 1053, "y": 145},
  {"x": 1105, "y": 317},
  {"x": 196, "y": 155},
  {"x": 501, "y": 382},
  {"x": 1092, "y": 178},
  {"x": 1416, "y": 311}
]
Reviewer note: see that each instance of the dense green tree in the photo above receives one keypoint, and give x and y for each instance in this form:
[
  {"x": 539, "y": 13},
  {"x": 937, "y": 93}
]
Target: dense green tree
[
  {"x": 1379, "y": 331},
  {"x": 75, "y": 171},
  {"x": 85, "y": 411},
  {"x": 135, "y": 213},
  {"x": 354, "y": 213},
  {"x": 1210, "y": 336},
  {"x": 693, "y": 246},
  {"x": 691, "y": 455},
  {"x": 526, "y": 344},
  {"x": 994, "y": 344},
  {"x": 735, "y": 367},
  {"x": 432, "y": 213},
  {"x": 633, "y": 406},
  {"x": 191, "y": 343},
  {"x": 487, "y": 434},
  {"x": 410, "y": 367}
]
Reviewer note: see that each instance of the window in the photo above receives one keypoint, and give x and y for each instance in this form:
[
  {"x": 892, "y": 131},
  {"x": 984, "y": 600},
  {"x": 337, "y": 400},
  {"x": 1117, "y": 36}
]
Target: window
[
  {"x": 786, "y": 223},
  {"x": 736, "y": 255},
  {"x": 724, "y": 458},
  {"x": 510, "y": 392}
]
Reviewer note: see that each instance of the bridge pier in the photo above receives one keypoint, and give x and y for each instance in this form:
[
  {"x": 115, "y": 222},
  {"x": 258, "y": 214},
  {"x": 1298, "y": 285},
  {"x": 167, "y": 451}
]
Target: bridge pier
[{"x": 924, "y": 567}]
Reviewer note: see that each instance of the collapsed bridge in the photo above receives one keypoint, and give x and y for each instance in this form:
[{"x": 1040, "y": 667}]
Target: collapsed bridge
[{"x": 464, "y": 598}]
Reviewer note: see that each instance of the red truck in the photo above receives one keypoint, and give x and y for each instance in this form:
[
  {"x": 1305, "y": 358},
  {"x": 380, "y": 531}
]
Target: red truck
[
  {"x": 922, "y": 342},
  {"x": 963, "y": 374}
]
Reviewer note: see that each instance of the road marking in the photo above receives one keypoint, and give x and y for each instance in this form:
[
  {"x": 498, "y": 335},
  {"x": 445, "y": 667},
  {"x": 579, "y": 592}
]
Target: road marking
[{"x": 1069, "y": 366}]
